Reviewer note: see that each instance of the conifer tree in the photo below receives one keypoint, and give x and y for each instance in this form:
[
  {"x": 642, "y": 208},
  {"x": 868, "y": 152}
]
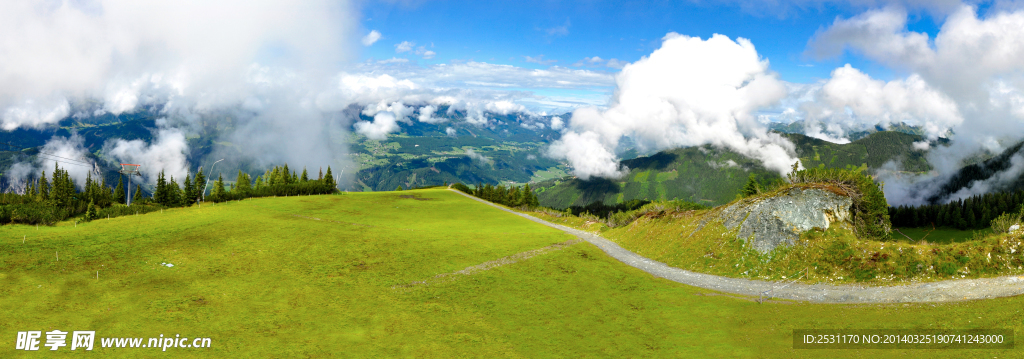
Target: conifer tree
[
  {"x": 321, "y": 177},
  {"x": 160, "y": 193},
  {"x": 43, "y": 189},
  {"x": 188, "y": 193},
  {"x": 275, "y": 177},
  {"x": 90, "y": 213},
  {"x": 138, "y": 194},
  {"x": 304, "y": 177},
  {"x": 529, "y": 199},
  {"x": 119, "y": 195},
  {"x": 200, "y": 186},
  {"x": 174, "y": 195},
  {"x": 399, "y": 188},
  {"x": 244, "y": 183},
  {"x": 329, "y": 180},
  {"x": 286, "y": 175},
  {"x": 63, "y": 188},
  {"x": 751, "y": 188},
  {"x": 515, "y": 198},
  {"x": 218, "y": 189}
]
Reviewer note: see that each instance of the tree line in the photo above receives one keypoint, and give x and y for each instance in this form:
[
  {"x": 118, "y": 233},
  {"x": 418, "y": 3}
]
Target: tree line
[
  {"x": 975, "y": 212},
  {"x": 48, "y": 201},
  {"x": 512, "y": 196}
]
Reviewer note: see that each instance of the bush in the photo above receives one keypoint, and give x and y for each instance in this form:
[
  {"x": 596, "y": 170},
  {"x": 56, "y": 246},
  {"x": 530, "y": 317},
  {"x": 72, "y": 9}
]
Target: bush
[
  {"x": 1003, "y": 223},
  {"x": 463, "y": 188},
  {"x": 870, "y": 209}
]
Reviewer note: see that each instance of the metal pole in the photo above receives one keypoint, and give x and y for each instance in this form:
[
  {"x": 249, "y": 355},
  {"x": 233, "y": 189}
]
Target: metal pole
[
  {"x": 208, "y": 179},
  {"x": 129, "y": 189}
]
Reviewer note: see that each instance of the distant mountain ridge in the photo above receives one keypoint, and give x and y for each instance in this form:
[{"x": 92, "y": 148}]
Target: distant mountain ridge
[{"x": 713, "y": 176}]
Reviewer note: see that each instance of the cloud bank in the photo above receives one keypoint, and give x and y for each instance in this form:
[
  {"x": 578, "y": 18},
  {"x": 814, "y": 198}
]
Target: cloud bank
[
  {"x": 966, "y": 83},
  {"x": 689, "y": 92}
]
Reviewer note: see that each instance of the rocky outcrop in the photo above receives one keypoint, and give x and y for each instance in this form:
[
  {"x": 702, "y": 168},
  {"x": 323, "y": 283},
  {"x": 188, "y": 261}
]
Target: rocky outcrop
[{"x": 768, "y": 222}]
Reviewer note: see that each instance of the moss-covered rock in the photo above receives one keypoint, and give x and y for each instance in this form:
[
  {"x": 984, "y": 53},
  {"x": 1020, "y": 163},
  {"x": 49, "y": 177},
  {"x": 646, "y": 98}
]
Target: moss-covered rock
[{"x": 767, "y": 222}]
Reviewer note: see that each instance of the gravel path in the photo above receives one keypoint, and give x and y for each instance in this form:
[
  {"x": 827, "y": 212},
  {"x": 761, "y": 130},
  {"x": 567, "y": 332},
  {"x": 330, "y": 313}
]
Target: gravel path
[{"x": 944, "y": 291}]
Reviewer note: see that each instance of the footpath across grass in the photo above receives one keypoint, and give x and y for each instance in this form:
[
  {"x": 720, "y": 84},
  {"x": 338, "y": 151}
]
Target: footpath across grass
[{"x": 327, "y": 276}]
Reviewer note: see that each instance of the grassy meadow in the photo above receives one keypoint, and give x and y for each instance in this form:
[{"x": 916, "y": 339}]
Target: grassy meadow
[{"x": 331, "y": 276}]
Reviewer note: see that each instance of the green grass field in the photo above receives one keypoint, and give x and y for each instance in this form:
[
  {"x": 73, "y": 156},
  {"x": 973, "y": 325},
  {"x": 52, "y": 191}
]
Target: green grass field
[
  {"x": 327, "y": 276},
  {"x": 941, "y": 235}
]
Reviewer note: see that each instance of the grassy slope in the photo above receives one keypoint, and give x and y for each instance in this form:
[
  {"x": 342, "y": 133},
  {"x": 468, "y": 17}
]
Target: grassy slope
[
  {"x": 698, "y": 241},
  {"x": 264, "y": 283}
]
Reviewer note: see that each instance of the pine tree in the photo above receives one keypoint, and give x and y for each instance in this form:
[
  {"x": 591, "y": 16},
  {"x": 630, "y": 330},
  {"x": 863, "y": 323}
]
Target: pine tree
[
  {"x": 275, "y": 177},
  {"x": 63, "y": 188},
  {"x": 138, "y": 194},
  {"x": 244, "y": 183},
  {"x": 160, "y": 193},
  {"x": 174, "y": 195},
  {"x": 514, "y": 197},
  {"x": 88, "y": 187},
  {"x": 90, "y": 213},
  {"x": 43, "y": 189},
  {"x": 329, "y": 180},
  {"x": 399, "y": 188},
  {"x": 321, "y": 177},
  {"x": 218, "y": 189},
  {"x": 304, "y": 178},
  {"x": 286, "y": 175},
  {"x": 119, "y": 195},
  {"x": 751, "y": 188},
  {"x": 200, "y": 186},
  {"x": 189, "y": 193},
  {"x": 529, "y": 198}
]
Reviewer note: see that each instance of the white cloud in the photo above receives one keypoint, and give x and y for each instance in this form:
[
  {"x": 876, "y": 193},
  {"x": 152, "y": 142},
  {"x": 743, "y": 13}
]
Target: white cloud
[
  {"x": 852, "y": 99},
  {"x": 427, "y": 115},
  {"x": 69, "y": 153},
  {"x": 689, "y": 92},
  {"x": 557, "y": 123},
  {"x": 385, "y": 119},
  {"x": 465, "y": 86},
  {"x": 404, "y": 46},
  {"x": 393, "y": 60},
  {"x": 478, "y": 157},
  {"x": 968, "y": 79},
  {"x": 616, "y": 64},
  {"x": 562, "y": 30},
  {"x": 427, "y": 55},
  {"x": 129, "y": 53},
  {"x": 166, "y": 153},
  {"x": 539, "y": 60},
  {"x": 371, "y": 38},
  {"x": 451, "y": 132},
  {"x": 383, "y": 123},
  {"x": 599, "y": 62}
]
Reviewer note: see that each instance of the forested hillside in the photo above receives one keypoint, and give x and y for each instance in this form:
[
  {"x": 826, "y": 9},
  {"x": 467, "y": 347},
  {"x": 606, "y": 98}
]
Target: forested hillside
[
  {"x": 970, "y": 174},
  {"x": 705, "y": 175},
  {"x": 713, "y": 176}
]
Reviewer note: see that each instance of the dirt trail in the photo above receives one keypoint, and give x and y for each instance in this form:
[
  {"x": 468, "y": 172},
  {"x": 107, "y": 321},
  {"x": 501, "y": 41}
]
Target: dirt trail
[{"x": 945, "y": 291}]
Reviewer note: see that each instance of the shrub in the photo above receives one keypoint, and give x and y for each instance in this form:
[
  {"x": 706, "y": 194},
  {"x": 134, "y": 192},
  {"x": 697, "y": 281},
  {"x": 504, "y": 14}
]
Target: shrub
[
  {"x": 870, "y": 210},
  {"x": 1003, "y": 223}
]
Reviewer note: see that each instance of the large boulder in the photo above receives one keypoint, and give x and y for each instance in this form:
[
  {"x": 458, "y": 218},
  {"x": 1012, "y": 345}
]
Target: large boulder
[{"x": 768, "y": 222}]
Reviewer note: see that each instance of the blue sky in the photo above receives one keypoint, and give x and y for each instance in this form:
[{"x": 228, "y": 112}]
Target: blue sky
[{"x": 556, "y": 33}]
